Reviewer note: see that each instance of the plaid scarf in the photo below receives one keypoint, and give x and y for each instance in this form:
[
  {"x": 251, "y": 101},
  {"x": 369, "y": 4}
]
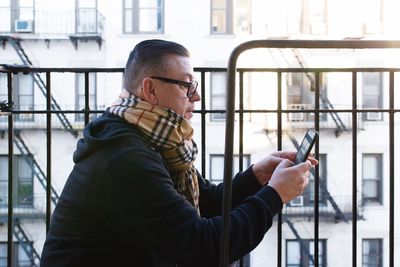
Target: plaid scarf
[{"x": 170, "y": 134}]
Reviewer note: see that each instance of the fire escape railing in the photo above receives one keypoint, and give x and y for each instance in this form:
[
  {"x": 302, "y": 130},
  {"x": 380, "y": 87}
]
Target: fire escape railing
[
  {"x": 229, "y": 137},
  {"x": 203, "y": 112}
]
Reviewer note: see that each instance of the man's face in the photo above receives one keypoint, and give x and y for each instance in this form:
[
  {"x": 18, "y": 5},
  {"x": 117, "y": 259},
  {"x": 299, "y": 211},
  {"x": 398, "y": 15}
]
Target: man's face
[{"x": 174, "y": 96}]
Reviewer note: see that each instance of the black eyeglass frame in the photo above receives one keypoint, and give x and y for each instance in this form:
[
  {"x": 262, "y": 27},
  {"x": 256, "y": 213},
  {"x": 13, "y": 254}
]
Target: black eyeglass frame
[{"x": 190, "y": 86}]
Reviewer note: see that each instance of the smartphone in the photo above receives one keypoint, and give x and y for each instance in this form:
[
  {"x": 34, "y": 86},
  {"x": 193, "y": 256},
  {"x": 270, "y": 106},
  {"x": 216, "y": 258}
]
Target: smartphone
[{"x": 305, "y": 147}]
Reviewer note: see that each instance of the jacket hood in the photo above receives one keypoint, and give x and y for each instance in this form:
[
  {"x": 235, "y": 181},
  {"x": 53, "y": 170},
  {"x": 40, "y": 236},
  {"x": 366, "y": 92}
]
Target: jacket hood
[{"x": 101, "y": 132}]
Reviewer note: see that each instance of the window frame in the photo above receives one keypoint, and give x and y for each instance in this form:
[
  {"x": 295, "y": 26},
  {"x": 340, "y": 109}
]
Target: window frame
[
  {"x": 378, "y": 97},
  {"x": 246, "y": 164},
  {"x": 18, "y": 180},
  {"x": 80, "y": 117},
  {"x": 303, "y": 261},
  {"x": 305, "y": 100},
  {"x": 309, "y": 192},
  {"x": 231, "y": 16},
  {"x": 366, "y": 255},
  {"x": 378, "y": 180},
  {"x": 135, "y": 15},
  {"x": 78, "y": 23},
  {"x": 17, "y": 95}
]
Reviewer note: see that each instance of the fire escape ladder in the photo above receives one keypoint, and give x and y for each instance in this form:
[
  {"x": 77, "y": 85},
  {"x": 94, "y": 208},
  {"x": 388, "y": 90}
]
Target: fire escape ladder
[
  {"x": 40, "y": 83},
  {"x": 339, "y": 213},
  {"x": 340, "y": 127},
  {"x": 26, "y": 244},
  {"x": 303, "y": 245},
  {"x": 37, "y": 171}
]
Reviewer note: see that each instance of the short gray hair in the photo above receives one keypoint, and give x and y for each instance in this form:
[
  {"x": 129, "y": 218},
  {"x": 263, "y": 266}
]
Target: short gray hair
[{"x": 148, "y": 57}]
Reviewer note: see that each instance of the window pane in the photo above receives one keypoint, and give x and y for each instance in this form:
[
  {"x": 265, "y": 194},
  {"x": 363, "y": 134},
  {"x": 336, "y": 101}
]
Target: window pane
[
  {"x": 5, "y": 3},
  {"x": 3, "y": 180},
  {"x": 86, "y": 3},
  {"x": 370, "y": 189},
  {"x": 217, "y": 169},
  {"x": 150, "y": 3},
  {"x": 128, "y": 3},
  {"x": 25, "y": 3},
  {"x": 242, "y": 16},
  {"x": 218, "y": 4},
  {"x": 25, "y": 84},
  {"x": 150, "y": 20},
  {"x": 370, "y": 167},
  {"x": 128, "y": 20},
  {"x": 293, "y": 252},
  {"x": 218, "y": 21}
]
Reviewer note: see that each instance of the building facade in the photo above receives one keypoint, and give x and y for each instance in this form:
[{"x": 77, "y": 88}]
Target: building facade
[{"x": 80, "y": 34}]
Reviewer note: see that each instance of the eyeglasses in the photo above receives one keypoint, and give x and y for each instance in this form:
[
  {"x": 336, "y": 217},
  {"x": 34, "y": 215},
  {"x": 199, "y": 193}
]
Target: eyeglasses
[{"x": 190, "y": 86}]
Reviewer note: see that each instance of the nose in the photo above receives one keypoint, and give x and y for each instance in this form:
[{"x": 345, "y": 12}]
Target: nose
[{"x": 195, "y": 97}]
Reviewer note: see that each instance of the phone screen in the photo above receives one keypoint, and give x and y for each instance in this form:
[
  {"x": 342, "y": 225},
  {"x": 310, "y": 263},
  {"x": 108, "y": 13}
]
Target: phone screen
[{"x": 306, "y": 146}]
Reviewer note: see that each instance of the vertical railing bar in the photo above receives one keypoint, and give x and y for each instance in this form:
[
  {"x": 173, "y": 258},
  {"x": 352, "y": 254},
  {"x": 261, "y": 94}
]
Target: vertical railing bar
[
  {"x": 279, "y": 147},
  {"x": 10, "y": 175},
  {"x": 391, "y": 169},
  {"x": 316, "y": 170},
  {"x": 86, "y": 98},
  {"x": 241, "y": 123},
  {"x": 48, "y": 144},
  {"x": 230, "y": 111},
  {"x": 241, "y": 131},
  {"x": 354, "y": 166},
  {"x": 203, "y": 123}
]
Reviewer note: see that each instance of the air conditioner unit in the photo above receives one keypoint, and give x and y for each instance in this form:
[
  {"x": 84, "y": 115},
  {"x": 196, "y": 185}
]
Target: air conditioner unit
[
  {"x": 297, "y": 202},
  {"x": 23, "y": 25},
  {"x": 374, "y": 116}
]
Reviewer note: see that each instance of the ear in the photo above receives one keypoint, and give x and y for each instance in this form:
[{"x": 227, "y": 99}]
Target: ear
[{"x": 148, "y": 92}]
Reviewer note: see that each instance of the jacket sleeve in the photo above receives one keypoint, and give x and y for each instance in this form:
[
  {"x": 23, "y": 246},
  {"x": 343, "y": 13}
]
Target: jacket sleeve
[
  {"x": 244, "y": 184},
  {"x": 139, "y": 200}
]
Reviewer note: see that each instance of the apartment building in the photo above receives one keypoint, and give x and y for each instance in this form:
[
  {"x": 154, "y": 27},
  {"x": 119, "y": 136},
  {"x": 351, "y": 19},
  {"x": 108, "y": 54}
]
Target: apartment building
[{"x": 99, "y": 34}]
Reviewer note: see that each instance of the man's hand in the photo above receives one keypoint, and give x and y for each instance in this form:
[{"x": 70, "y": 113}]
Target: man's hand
[
  {"x": 289, "y": 181},
  {"x": 264, "y": 169}
]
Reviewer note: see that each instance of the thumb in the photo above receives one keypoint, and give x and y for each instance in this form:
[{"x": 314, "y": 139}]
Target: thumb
[
  {"x": 285, "y": 163},
  {"x": 305, "y": 166}
]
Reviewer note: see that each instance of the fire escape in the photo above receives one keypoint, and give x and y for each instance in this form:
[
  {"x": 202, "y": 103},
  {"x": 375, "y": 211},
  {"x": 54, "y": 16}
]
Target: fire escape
[
  {"x": 6, "y": 109},
  {"x": 339, "y": 215}
]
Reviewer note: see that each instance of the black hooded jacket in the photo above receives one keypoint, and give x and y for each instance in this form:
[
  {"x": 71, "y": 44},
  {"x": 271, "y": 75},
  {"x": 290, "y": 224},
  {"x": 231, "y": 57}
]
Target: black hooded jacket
[{"x": 119, "y": 208}]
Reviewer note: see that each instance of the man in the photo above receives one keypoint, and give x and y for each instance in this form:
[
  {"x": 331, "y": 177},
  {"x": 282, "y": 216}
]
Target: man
[{"x": 134, "y": 197}]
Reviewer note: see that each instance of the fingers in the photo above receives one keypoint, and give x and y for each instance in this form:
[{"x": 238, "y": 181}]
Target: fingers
[
  {"x": 285, "y": 154},
  {"x": 285, "y": 163}
]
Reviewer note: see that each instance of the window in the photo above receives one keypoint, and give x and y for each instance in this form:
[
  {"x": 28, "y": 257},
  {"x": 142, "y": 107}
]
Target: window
[
  {"x": 86, "y": 16},
  {"x": 80, "y": 95},
  {"x": 218, "y": 95},
  {"x": 143, "y": 16},
  {"x": 372, "y": 178},
  {"x": 22, "y": 95},
  {"x": 301, "y": 254},
  {"x": 20, "y": 258},
  {"x": 372, "y": 14},
  {"x": 217, "y": 166},
  {"x": 3, "y": 92},
  {"x": 309, "y": 191},
  {"x": 301, "y": 96},
  {"x": 372, "y": 253},
  {"x": 372, "y": 94},
  {"x": 5, "y": 17},
  {"x": 230, "y": 16},
  {"x": 23, "y": 181},
  {"x": 314, "y": 17}
]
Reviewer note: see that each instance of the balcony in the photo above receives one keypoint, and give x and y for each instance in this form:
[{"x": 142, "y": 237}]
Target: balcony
[
  {"x": 267, "y": 124},
  {"x": 80, "y": 25}
]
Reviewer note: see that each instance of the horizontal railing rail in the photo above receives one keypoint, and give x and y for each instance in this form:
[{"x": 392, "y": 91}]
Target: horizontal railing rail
[{"x": 350, "y": 115}]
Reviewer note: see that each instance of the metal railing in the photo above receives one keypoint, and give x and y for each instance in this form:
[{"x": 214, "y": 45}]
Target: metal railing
[
  {"x": 52, "y": 22},
  {"x": 232, "y": 110}
]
